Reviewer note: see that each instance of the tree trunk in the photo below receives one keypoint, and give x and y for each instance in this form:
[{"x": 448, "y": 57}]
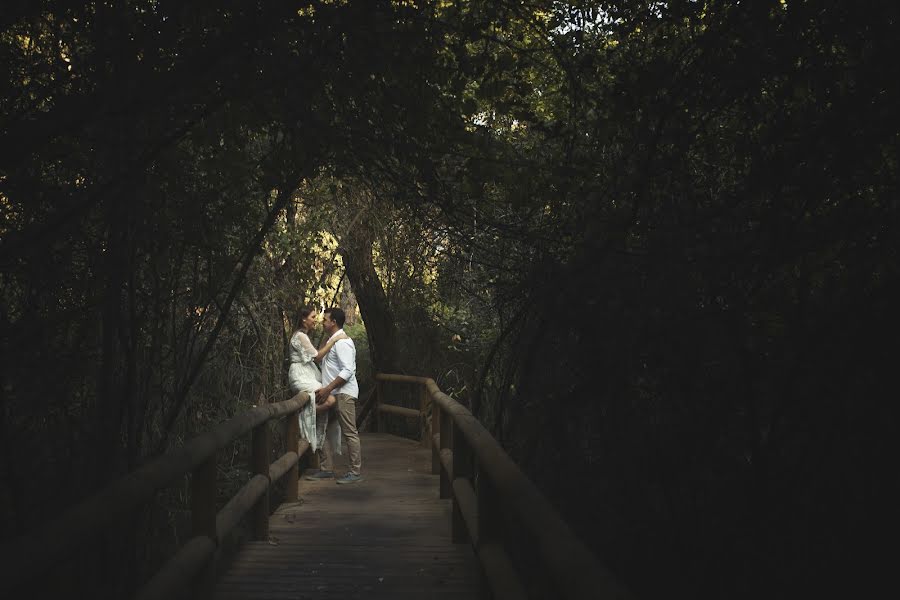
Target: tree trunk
[
  {"x": 356, "y": 252},
  {"x": 348, "y": 302}
]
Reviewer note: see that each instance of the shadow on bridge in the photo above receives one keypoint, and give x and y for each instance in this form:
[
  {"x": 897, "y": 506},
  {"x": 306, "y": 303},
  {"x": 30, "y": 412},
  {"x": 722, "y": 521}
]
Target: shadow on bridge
[{"x": 385, "y": 537}]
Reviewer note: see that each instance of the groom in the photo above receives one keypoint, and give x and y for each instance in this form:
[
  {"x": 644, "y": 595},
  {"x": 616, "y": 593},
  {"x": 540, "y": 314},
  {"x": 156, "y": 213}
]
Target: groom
[{"x": 339, "y": 377}]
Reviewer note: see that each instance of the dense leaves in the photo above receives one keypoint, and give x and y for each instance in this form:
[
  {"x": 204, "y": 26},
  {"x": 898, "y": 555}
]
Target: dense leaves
[{"x": 654, "y": 246}]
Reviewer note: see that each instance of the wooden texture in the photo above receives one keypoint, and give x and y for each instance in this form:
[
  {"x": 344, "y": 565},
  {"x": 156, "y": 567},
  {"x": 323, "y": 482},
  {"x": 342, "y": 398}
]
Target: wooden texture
[
  {"x": 259, "y": 464},
  {"x": 575, "y": 572},
  {"x": 291, "y": 441},
  {"x": 385, "y": 537},
  {"x": 434, "y": 433},
  {"x": 466, "y": 503},
  {"x": 500, "y": 573},
  {"x": 240, "y": 504},
  {"x": 463, "y": 469},
  {"x": 203, "y": 520},
  {"x": 402, "y": 411},
  {"x": 446, "y": 472},
  {"x": 445, "y": 441},
  {"x": 424, "y": 430},
  {"x": 379, "y": 399},
  {"x": 26, "y": 557},
  {"x": 283, "y": 466},
  {"x": 180, "y": 572}
]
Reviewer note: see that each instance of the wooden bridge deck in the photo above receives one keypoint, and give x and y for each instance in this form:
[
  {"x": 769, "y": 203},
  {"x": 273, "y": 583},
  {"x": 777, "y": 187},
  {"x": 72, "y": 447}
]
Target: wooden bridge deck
[{"x": 385, "y": 537}]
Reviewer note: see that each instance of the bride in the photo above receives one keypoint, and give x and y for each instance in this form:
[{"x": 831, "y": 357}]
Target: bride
[{"x": 304, "y": 376}]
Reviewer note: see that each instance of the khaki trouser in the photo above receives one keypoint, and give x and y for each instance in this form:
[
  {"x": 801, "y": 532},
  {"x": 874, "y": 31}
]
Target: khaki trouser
[{"x": 344, "y": 410}]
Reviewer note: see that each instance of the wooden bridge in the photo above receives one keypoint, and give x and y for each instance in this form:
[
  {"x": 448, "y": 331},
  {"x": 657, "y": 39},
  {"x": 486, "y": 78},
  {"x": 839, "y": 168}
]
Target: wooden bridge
[
  {"x": 387, "y": 537},
  {"x": 449, "y": 516}
]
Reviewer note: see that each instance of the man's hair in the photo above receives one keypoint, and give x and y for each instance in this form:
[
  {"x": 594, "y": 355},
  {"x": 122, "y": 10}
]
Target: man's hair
[{"x": 337, "y": 315}]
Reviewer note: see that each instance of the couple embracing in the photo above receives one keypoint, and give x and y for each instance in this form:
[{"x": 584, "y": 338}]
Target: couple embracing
[{"x": 334, "y": 390}]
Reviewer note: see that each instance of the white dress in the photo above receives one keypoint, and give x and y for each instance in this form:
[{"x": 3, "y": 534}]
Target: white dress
[{"x": 304, "y": 376}]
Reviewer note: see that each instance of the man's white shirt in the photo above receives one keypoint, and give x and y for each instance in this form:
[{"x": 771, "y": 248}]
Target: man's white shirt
[{"x": 341, "y": 362}]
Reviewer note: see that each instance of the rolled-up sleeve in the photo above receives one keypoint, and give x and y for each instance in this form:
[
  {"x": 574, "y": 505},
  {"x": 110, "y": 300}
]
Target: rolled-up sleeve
[{"x": 346, "y": 359}]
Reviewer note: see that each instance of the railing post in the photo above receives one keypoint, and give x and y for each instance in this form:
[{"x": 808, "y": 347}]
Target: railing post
[
  {"x": 379, "y": 419},
  {"x": 462, "y": 469},
  {"x": 203, "y": 520},
  {"x": 445, "y": 427},
  {"x": 424, "y": 427},
  {"x": 490, "y": 522},
  {"x": 291, "y": 442},
  {"x": 435, "y": 428},
  {"x": 260, "y": 466}
]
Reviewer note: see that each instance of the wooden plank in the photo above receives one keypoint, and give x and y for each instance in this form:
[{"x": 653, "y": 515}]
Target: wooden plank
[
  {"x": 576, "y": 572},
  {"x": 401, "y": 378},
  {"x": 402, "y": 411},
  {"x": 291, "y": 443},
  {"x": 260, "y": 444},
  {"x": 385, "y": 537},
  {"x": 240, "y": 504},
  {"x": 500, "y": 573},
  {"x": 467, "y": 504},
  {"x": 203, "y": 522}
]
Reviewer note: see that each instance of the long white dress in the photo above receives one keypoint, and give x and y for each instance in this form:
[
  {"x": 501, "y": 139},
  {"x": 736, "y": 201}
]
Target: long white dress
[{"x": 304, "y": 376}]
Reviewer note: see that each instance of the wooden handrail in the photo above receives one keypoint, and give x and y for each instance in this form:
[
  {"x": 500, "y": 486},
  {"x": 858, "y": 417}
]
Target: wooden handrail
[
  {"x": 475, "y": 471},
  {"x": 576, "y": 572},
  {"x": 27, "y": 557}
]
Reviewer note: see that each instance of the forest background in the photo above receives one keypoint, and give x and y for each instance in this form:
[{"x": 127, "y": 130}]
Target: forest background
[{"x": 652, "y": 245}]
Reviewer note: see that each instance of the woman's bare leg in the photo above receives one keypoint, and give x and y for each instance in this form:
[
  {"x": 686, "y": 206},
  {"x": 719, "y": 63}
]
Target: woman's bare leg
[{"x": 326, "y": 404}]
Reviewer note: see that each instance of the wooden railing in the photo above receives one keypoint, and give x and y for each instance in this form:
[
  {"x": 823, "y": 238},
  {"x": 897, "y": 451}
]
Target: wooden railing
[
  {"x": 193, "y": 566},
  {"x": 488, "y": 490}
]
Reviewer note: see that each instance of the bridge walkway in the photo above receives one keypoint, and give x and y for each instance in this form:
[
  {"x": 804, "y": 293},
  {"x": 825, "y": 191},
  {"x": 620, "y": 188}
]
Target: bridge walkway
[{"x": 385, "y": 537}]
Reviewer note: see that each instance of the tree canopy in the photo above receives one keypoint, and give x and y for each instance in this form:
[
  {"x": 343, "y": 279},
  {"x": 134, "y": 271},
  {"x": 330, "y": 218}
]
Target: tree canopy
[{"x": 652, "y": 245}]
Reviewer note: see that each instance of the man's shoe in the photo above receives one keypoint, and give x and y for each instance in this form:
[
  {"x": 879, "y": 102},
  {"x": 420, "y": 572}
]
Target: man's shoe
[
  {"x": 320, "y": 475},
  {"x": 349, "y": 478}
]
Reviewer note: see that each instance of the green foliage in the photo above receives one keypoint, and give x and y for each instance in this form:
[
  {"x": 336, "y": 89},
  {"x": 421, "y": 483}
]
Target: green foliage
[
  {"x": 652, "y": 245},
  {"x": 693, "y": 253}
]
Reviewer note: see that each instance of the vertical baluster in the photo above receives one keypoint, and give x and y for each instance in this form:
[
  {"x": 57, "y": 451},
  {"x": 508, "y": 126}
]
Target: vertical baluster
[
  {"x": 490, "y": 523},
  {"x": 462, "y": 468},
  {"x": 260, "y": 466},
  {"x": 489, "y": 515},
  {"x": 291, "y": 441},
  {"x": 203, "y": 520},
  {"x": 435, "y": 428},
  {"x": 379, "y": 397},
  {"x": 313, "y": 461},
  {"x": 424, "y": 429},
  {"x": 445, "y": 426}
]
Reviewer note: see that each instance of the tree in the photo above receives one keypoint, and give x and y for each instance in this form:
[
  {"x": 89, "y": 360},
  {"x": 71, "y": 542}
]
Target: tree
[{"x": 665, "y": 235}]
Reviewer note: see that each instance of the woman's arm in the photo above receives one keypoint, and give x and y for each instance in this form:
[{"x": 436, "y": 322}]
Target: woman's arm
[
  {"x": 327, "y": 347},
  {"x": 301, "y": 341}
]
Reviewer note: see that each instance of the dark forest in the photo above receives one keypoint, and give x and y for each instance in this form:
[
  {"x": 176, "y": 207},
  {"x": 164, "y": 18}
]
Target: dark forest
[{"x": 653, "y": 246}]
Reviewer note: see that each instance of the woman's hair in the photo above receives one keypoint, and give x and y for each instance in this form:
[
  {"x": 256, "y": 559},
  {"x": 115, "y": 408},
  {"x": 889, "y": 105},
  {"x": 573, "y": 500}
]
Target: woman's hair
[{"x": 302, "y": 314}]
